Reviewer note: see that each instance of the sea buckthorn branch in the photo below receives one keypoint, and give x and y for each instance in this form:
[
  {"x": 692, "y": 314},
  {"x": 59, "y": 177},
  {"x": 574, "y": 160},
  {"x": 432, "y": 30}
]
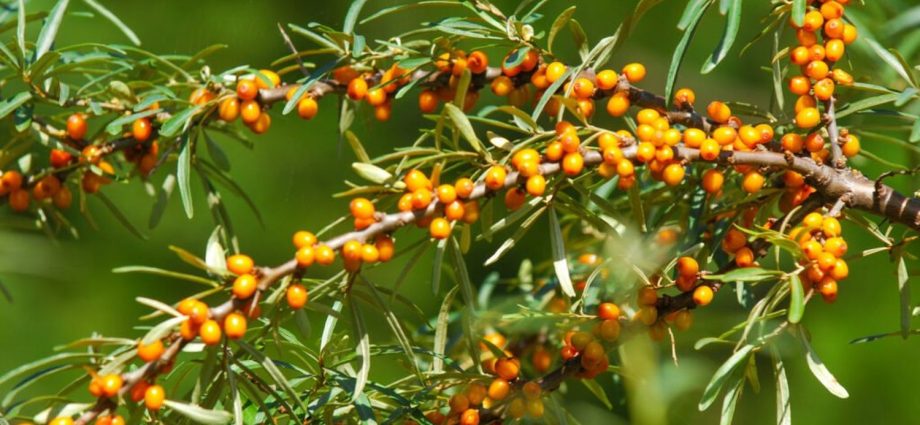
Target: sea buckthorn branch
[{"x": 835, "y": 184}]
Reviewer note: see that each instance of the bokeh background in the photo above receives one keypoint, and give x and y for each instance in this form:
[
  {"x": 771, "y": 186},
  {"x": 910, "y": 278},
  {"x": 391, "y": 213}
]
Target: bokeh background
[{"x": 64, "y": 289}]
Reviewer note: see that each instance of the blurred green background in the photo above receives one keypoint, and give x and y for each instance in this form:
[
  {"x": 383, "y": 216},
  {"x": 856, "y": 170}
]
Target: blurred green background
[{"x": 64, "y": 290}]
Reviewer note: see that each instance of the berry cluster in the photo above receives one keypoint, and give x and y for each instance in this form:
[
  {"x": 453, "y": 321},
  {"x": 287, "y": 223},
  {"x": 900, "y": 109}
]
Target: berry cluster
[{"x": 823, "y": 37}]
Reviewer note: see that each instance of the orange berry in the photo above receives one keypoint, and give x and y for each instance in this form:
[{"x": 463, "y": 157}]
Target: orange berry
[
  {"x": 850, "y": 33},
  {"x": 495, "y": 177},
  {"x": 464, "y": 187},
  {"x": 817, "y": 69},
  {"x": 454, "y": 211},
  {"x": 573, "y": 164},
  {"x": 154, "y": 397},
  {"x": 357, "y": 89},
  {"x": 446, "y": 194},
  {"x": 502, "y": 86},
  {"x": 296, "y": 296},
  {"x": 608, "y": 330},
  {"x": 514, "y": 198},
  {"x": 673, "y": 174},
  {"x": 583, "y": 87},
  {"x": 618, "y": 105},
  {"x": 752, "y": 182},
  {"x": 687, "y": 266},
  {"x": 499, "y": 389},
  {"x": 303, "y": 238},
  {"x": 245, "y": 285},
  {"x": 199, "y": 312},
  {"x": 536, "y": 185},
  {"x": 141, "y": 129},
  {"x": 555, "y": 71},
  {"x": 827, "y": 287},
  {"x": 235, "y": 325},
  {"x": 111, "y": 384},
  {"x": 362, "y": 208},
  {"x": 229, "y": 109},
  {"x": 421, "y": 198},
  {"x": 150, "y": 352},
  {"x": 459, "y": 403},
  {"x": 799, "y": 85},
  {"x": 307, "y": 108},
  {"x": 702, "y": 295},
  {"x": 415, "y": 180},
  {"x": 76, "y": 126},
  {"x": 607, "y": 79},
  {"x": 439, "y": 228},
  {"x": 61, "y": 420},
  {"x": 719, "y": 112},
  {"x": 470, "y": 212},
  {"x": 824, "y": 89},
  {"x": 507, "y": 369},
  {"x": 813, "y": 21},
  {"x": 250, "y": 111},
  {"x": 427, "y": 101},
  {"x": 808, "y": 118},
  {"x": 608, "y": 311},
  {"x": 712, "y": 180},
  {"x": 210, "y": 332},
  {"x": 792, "y": 142},
  {"x": 376, "y": 97},
  {"x": 684, "y": 97},
  {"x": 247, "y": 89},
  {"x": 851, "y": 147},
  {"x": 744, "y": 257},
  {"x": 240, "y": 264},
  {"x": 634, "y": 72},
  {"x": 477, "y": 62}
]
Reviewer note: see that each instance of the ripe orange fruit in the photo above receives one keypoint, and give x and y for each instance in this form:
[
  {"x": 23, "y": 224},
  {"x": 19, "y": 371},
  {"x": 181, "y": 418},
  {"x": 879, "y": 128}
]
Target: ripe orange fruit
[
  {"x": 154, "y": 397},
  {"x": 499, "y": 389},
  {"x": 244, "y": 286},
  {"x": 307, "y": 108},
  {"x": 362, "y": 208},
  {"x": 250, "y": 111},
  {"x": 357, "y": 88},
  {"x": 324, "y": 255},
  {"x": 607, "y": 79},
  {"x": 495, "y": 177},
  {"x": 240, "y": 264},
  {"x": 712, "y": 180},
  {"x": 673, "y": 174},
  {"x": 573, "y": 164},
  {"x": 635, "y": 72},
  {"x": 752, "y": 182},
  {"x": 608, "y": 311},
  {"x": 427, "y": 101},
  {"x": 536, "y": 185},
  {"x": 141, "y": 129},
  {"x": 702, "y": 295},
  {"x": 111, "y": 384},
  {"x": 235, "y": 325},
  {"x": 507, "y": 369},
  {"x": 229, "y": 109},
  {"x": 150, "y": 352},
  {"x": 247, "y": 89},
  {"x": 555, "y": 71},
  {"x": 719, "y": 112},
  {"x": 210, "y": 332},
  {"x": 76, "y": 126},
  {"x": 296, "y": 296},
  {"x": 618, "y": 105},
  {"x": 439, "y": 228},
  {"x": 305, "y": 256}
]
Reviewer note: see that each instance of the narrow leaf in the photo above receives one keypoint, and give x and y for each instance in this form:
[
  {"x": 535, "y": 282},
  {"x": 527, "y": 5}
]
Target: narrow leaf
[
  {"x": 560, "y": 264},
  {"x": 115, "y": 20},
  {"x": 728, "y": 37},
  {"x": 49, "y": 31},
  {"x": 797, "y": 299},
  {"x": 820, "y": 370},
  {"x": 721, "y": 375}
]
